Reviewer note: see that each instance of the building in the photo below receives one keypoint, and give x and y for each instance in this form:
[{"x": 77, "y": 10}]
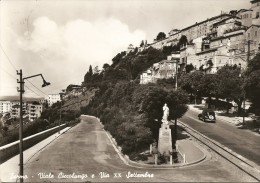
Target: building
[
  {"x": 15, "y": 109},
  {"x": 253, "y": 35},
  {"x": 34, "y": 110},
  {"x": 250, "y": 16},
  {"x": 53, "y": 98},
  {"x": 162, "y": 70},
  {"x": 194, "y": 31},
  {"x": 218, "y": 40},
  {"x": 5, "y": 106},
  {"x": 130, "y": 48}
]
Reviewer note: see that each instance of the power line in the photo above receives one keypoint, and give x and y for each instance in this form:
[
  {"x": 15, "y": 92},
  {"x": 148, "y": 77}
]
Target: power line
[
  {"x": 8, "y": 72},
  {"x": 8, "y": 57},
  {"x": 32, "y": 91},
  {"x": 9, "y": 60},
  {"x": 37, "y": 88}
]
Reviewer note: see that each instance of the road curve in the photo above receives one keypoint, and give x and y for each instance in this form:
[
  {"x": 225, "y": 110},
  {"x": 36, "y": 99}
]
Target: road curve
[{"x": 86, "y": 150}]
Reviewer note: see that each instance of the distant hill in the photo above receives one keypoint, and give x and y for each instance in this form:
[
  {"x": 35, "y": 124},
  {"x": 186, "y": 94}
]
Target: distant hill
[{"x": 17, "y": 98}]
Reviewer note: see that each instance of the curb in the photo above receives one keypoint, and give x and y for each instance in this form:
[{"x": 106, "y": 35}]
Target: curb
[{"x": 131, "y": 163}]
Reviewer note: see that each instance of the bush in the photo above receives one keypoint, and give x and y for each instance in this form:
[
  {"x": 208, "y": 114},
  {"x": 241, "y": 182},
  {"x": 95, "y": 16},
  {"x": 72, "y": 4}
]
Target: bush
[{"x": 138, "y": 157}]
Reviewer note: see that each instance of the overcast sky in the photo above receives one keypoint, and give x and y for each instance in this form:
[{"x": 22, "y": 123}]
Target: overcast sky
[{"x": 60, "y": 39}]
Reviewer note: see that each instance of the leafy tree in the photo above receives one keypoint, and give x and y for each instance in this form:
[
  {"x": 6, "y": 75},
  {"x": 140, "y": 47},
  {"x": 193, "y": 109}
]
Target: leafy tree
[
  {"x": 183, "y": 41},
  {"x": 191, "y": 82},
  {"x": 105, "y": 66},
  {"x": 209, "y": 85},
  {"x": 252, "y": 83},
  {"x": 160, "y": 36},
  {"x": 189, "y": 68},
  {"x": 118, "y": 58},
  {"x": 230, "y": 85},
  {"x": 149, "y": 99}
]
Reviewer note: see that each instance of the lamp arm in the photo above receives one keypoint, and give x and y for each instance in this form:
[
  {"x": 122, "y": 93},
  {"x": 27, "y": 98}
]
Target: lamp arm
[{"x": 33, "y": 76}]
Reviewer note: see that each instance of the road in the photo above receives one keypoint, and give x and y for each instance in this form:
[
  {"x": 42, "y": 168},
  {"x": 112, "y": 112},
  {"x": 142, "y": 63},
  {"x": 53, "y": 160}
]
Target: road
[
  {"x": 240, "y": 141},
  {"x": 86, "y": 149}
]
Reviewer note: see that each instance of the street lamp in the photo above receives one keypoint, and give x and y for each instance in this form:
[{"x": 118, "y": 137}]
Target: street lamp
[{"x": 21, "y": 90}]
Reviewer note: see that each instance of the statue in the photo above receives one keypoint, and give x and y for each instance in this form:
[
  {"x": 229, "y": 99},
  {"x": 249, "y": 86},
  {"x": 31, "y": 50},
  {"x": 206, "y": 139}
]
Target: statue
[{"x": 165, "y": 114}]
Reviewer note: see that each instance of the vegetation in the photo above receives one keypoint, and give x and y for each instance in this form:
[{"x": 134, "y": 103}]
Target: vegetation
[
  {"x": 132, "y": 113},
  {"x": 160, "y": 36},
  {"x": 252, "y": 83}
]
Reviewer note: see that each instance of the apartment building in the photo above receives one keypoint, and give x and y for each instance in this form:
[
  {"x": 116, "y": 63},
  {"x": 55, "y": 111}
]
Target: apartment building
[
  {"x": 53, "y": 98},
  {"x": 34, "y": 110}
]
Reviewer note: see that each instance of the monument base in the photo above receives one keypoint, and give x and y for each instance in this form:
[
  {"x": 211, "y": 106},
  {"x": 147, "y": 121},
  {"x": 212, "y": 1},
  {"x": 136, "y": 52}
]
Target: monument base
[{"x": 165, "y": 140}]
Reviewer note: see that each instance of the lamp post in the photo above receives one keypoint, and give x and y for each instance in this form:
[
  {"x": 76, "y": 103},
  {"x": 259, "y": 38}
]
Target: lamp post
[{"x": 21, "y": 90}]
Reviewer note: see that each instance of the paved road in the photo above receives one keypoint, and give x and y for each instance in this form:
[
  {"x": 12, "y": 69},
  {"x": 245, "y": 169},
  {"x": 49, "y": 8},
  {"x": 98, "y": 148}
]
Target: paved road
[
  {"x": 241, "y": 141},
  {"x": 86, "y": 149}
]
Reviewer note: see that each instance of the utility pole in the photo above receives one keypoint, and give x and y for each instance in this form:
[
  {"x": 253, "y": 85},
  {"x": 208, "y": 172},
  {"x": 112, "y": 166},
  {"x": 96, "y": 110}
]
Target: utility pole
[
  {"x": 60, "y": 117},
  {"x": 176, "y": 82},
  {"x": 21, "y": 90},
  {"x": 244, "y": 102}
]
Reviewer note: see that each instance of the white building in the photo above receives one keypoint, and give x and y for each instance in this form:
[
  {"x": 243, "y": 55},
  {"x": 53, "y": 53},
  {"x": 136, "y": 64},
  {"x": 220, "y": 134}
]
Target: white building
[
  {"x": 53, "y": 98},
  {"x": 34, "y": 110},
  {"x": 5, "y": 106}
]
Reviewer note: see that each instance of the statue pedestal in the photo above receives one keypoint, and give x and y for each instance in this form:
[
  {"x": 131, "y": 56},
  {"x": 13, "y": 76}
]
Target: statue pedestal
[{"x": 165, "y": 140}]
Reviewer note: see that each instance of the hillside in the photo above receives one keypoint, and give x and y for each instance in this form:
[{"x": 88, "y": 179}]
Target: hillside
[{"x": 77, "y": 102}]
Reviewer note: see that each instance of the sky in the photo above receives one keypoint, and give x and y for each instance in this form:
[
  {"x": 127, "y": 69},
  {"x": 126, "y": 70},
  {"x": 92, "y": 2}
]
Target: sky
[{"x": 62, "y": 38}]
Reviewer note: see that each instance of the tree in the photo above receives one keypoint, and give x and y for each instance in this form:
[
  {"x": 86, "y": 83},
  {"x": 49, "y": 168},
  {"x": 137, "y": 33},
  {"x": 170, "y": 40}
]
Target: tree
[
  {"x": 183, "y": 41},
  {"x": 189, "y": 68},
  {"x": 230, "y": 85},
  {"x": 105, "y": 66},
  {"x": 160, "y": 36},
  {"x": 149, "y": 99},
  {"x": 252, "y": 83},
  {"x": 90, "y": 70},
  {"x": 142, "y": 43},
  {"x": 191, "y": 82},
  {"x": 88, "y": 76}
]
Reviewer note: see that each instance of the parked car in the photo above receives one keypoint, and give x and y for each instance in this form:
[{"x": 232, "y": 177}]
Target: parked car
[{"x": 207, "y": 115}]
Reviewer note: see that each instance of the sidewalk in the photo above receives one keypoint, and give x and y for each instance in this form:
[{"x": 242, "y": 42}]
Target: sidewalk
[
  {"x": 10, "y": 168},
  {"x": 190, "y": 152}
]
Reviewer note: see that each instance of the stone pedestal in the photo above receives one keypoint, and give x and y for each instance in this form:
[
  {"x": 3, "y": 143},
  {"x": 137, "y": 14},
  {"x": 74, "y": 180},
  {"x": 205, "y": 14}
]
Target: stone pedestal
[{"x": 165, "y": 140}]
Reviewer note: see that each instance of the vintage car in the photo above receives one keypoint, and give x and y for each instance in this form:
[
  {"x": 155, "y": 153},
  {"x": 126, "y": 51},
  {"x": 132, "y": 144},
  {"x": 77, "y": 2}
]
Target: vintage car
[{"x": 207, "y": 115}]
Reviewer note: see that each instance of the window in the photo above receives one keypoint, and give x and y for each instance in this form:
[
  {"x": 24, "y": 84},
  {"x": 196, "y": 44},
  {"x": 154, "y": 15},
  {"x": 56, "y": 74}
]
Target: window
[
  {"x": 248, "y": 35},
  {"x": 257, "y": 15},
  {"x": 255, "y": 33}
]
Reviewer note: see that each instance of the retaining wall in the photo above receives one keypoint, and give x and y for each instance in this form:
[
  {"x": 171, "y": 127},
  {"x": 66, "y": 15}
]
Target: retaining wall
[{"x": 9, "y": 150}]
